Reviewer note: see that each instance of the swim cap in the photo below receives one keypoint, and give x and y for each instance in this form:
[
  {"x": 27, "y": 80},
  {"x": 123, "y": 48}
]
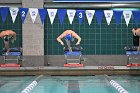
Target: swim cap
[{"x": 69, "y": 37}]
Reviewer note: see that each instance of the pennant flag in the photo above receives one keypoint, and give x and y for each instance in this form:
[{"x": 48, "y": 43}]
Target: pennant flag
[
  {"x": 136, "y": 16},
  {"x": 89, "y": 15},
  {"x": 99, "y": 16},
  {"x": 33, "y": 13},
  {"x": 80, "y": 15},
  {"x": 42, "y": 13},
  {"x": 52, "y": 14},
  {"x": 23, "y": 13},
  {"x": 14, "y": 12},
  {"x": 108, "y": 15},
  {"x": 127, "y": 16},
  {"x": 71, "y": 14},
  {"x": 61, "y": 15},
  {"x": 117, "y": 15},
  {"x": 4, "y": 13}
]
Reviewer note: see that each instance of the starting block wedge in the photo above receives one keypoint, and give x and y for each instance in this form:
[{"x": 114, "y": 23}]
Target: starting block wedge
[
  {"x": 10, "y": 65},
  {"x": 73, "y": 65},
  {"x": 133, "y": 65}
]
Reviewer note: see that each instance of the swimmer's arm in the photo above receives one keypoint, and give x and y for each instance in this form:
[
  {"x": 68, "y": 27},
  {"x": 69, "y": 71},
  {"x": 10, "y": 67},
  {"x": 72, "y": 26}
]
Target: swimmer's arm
[
  {"x": 13, "y": 37},
  {"x": 78, "y": 37},
  {"x": 59, "y": 39},
  {"x": 134, "y": 32}
]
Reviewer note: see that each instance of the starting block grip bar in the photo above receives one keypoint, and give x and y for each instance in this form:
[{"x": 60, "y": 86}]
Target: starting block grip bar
[{"x": 74, "y": 53}]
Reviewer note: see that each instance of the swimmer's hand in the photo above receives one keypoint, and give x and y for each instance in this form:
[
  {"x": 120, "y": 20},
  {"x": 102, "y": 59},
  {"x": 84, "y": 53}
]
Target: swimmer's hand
[
  {"x": 62, "y": 43},
  {"x": 138, "y": 49},
  {"x": 77, "y": 43},
  {"x": 12, "y": 40},
  {"x": 6, "y": 53}
]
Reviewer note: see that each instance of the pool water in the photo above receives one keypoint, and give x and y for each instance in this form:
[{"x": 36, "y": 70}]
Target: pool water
[{"x": 70, "y": 84}]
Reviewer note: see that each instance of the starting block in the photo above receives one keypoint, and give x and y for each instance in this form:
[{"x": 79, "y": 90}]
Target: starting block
[
  {"x": 74, "y": 58},
  {"x": 133, "y": 56},
  {"x": 13, "y": 58}
]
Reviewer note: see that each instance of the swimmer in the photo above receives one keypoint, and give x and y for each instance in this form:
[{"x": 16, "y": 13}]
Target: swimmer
[
  {"x": 69, "y": 36},
  {"x": 136, "y": 32},
  {"x": 7, "y": 36}
]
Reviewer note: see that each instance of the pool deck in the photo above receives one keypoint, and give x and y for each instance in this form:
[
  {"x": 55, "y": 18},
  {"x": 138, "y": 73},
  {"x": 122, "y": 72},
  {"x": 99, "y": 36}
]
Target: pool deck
[{"x": 87, "y": 70}]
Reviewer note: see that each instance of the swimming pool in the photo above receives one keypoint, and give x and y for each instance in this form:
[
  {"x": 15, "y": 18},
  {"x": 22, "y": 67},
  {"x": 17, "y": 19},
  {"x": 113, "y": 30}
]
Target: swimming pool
[{"x": 69, "y": 84}]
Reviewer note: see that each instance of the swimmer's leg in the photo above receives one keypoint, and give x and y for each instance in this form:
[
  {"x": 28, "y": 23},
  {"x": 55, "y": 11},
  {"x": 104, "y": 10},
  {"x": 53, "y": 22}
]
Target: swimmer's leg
[
  {"x": 6, "y": 45},
  {"x": 69, "y": 47},
  {"x": 139, "y": 45}
]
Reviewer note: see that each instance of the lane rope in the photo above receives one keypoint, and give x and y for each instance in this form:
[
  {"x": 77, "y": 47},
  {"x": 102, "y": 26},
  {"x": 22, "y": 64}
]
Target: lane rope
[
  {"x": 118, "y": 87},
  {"x": 31, "y": 85}
]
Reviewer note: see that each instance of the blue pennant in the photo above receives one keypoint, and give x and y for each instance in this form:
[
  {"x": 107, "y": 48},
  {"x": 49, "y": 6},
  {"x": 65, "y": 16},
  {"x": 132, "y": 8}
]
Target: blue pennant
[
  {"x": 117, "y": 15},
  {"x": 136, "y": 16},
  {"x": 4, "y": 12},
  {"x": 23, "y": 13},
  {"x": 80, "y": 15},
  {"x": 61, "y": 15},
  {"x": 99, "y": 16},
  {"x": 42, "y": 13}
]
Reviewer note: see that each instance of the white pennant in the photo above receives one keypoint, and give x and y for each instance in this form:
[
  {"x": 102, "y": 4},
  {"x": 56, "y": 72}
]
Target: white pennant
[
  {"x": 52, "y": 14},
  {"x": 33, "y": 13},
  {"x": 71, "y": 14},
  {"x": 14, "y": 12},
  {"x": 127, "y": 16},
  {"x": 108, "y": 15},
  {"x": 89, "y": 15}
]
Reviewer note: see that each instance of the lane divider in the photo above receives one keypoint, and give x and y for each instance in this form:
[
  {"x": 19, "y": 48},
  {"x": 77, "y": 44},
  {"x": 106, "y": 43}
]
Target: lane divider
[
  {"x": 118, "y": 87},
  {"x": 31, "y": 85}
]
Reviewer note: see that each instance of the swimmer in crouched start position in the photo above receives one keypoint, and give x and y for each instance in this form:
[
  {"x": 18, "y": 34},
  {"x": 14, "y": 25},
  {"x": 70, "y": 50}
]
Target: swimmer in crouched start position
[
  {"x": 69, "y": 36},
  {"x": 136, "y": 32},
  {"x": 8, "y": 36}
]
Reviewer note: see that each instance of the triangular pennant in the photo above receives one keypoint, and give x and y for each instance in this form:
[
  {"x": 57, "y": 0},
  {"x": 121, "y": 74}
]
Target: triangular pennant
[
  {"x": 71, "y": 14},
  {"x": 61, "y": 15},
  {"x": 52, "y": 14},
  {"x": 108, "y": 15},
  {"x": 4, "y": 13},
  {"x": 14, "y": 12},
  {"x": 89, "y": 15},
  {"x": 33, "y": 13},
  {"x": 23, "y": 13},
  {"x": 80, "y": 15},
  {"x": 127, "y": 16},
  {"x": 99, "y": 16},
  {"x": 118, "y": 15},
  {"x": 42, "y": 13},
  {"x": 136, "y": 16}
]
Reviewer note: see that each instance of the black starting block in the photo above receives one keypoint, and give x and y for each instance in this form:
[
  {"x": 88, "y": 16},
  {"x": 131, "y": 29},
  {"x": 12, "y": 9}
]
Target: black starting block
[
  {"x": 73, "y": 58},
  {"x": 133, "y": 56},
  {"x": 13, "y": 58}
]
